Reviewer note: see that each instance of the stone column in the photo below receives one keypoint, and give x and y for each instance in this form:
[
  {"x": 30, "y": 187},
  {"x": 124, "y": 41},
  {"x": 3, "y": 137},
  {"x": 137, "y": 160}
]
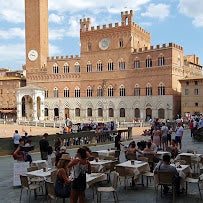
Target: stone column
[
  {"x": 19, "y": 111},
  {"x": 34, "y": 99},
  {"x": 41, "y": 118}
]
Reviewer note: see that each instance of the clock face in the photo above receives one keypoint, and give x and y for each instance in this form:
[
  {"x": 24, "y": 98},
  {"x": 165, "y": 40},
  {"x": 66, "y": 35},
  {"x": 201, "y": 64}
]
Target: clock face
[
  {"x": 32, "y": 55},
  {"x": 104, "y": 44}
]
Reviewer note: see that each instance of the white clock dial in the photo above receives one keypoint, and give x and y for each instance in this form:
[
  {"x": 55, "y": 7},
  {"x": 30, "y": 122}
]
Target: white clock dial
[
  {"x": 32, "y": 55},
  {"x": 104, "y": 44}
]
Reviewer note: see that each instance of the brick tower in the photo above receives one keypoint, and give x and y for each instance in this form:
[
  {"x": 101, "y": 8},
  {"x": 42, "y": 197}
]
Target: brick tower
[{"x": 36, "y": 32}]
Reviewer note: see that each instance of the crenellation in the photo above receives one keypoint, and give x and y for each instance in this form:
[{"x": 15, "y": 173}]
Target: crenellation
[
  {"x": 48, "y": 58},
  {"x": 116, "y": 24},
  {"x": 92, "y": 28},
  {"x": 164, "y": 45},
  {"x": 57, "y": 57},
  {"x": 104, "y": 26},
  {"x": 67, "y": 56},
  {"x": 110, "y": 25},
  {"x": 62, "y": 57},
  {"x": 98, "y": 27},
  {"x": 158, "y": 46},
  {"x": 52, "y": 58},
  {"x": 146, "y": 48},
  {"x": 151, "y": 47},
  {"x": 71, "y": 56}
]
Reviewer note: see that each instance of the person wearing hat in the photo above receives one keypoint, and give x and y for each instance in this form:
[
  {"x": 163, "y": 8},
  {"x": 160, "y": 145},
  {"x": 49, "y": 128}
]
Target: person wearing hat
[
  {"x": 62, "y": 185},
  {"x": 59, "y": 155}
]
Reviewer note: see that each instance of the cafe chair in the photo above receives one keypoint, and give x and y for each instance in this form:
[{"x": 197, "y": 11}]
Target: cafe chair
[
  {"x": 144, "y": 159},
  {"x": 51, "y": 192},
  {"x": 111, "y": 189},
  {"x": 187, "y": 159},
  {"x": 150, "y": 160},
  {"x": 166, "y": 178},
  {"x": 53, "y": 161},
  {"x": 125, "y": 173},
  {"x": 28, "y": 186},
  {"x": 95, "y": 154},
  {"x": 196, "y": 181},
  {"x": 117, "y": 155},
  {"x": 53, "y": 176},
  {"x": 149, "y": 175},
  {"x": 34, "y": 179}
]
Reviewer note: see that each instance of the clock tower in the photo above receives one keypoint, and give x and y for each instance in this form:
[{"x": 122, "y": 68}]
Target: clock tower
[{"x": 36, "y": 34}]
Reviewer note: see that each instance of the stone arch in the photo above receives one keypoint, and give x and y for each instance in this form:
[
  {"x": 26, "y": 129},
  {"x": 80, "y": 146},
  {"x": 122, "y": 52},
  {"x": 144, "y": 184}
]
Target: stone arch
[{"x": 122, "y": 105}]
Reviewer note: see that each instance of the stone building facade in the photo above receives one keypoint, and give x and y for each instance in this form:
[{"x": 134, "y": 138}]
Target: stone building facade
[
  {"x": 119, "y": 75},
  {"x": 192, "y": 95},
  {"x": 9, "y": 81}
]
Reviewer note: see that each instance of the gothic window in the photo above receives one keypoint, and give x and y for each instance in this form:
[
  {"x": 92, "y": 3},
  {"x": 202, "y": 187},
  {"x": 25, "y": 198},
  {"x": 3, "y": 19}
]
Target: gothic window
[
  {"x": 161, "y": 89},
  {"x": 137, "y": 64},
  {"x": 110, "y": 65},
  {"x": 122, "y": 112},
  {"x": 121, "y": 43},
  {"x": 89, "y": 47},
  {"x": 111, "y": 112},
  {"x": 161, "y": 61},
  {"x": 99, "y": 91},
  {"x": 77, "y": 112},
  {"x": 148, "y": 62},
  {"x": 186, "y": 91},
  {"x": 110, "y": 91},
  {"x": 89, "y": 67},
  {"x": 122, "y": 91},
  {"x": 89, "y": 112},
  {"x": 66, "y": 68},
  {"x": 149, "y": 90},
  {"x": 66, "y": 92},
  {"x": 46, "y": 93},
  {"x": 100, "y": 112},
  {"x": 56, "y": 92},
  {"x": 77, "y": 67},
  {"x": 99, "y": 66},
  {"x": 55, "y": 69},
  {"x": 121, "y": 64},
  {"x": 196, "y": 92},
  {"x": 46, "y": 112},
  {"x": 137, "y": 113},
  {"x": 137, "y": 90},
  {"x": 77, "y": 92},
  {"x": 89, "y": 92}
]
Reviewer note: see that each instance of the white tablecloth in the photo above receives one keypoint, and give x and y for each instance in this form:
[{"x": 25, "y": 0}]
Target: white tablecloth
[
  {"x": 101, "y": 163},
  {"x": 138, "y": 167},
  {"x": 106, "y": 152},
  {"x": 94, "y": 178},
  {"x": 195, "y": 157},
  {"x": 160, "y": 154},
  {"x": 40, "y": 173},
  {"x": 40, "y": 163}
]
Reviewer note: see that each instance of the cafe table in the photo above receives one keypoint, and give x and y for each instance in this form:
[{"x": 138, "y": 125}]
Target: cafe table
[
  {"x": 40, "y": 163},
  {"x": 106, "y": 152},
  {"x": 160, "y": 154},
  {"x": 40, "y": 173},
  {"x": 194, "y": 157},
  {"x": 93, "y": 178},
  {"x": 100, "y": 164}
]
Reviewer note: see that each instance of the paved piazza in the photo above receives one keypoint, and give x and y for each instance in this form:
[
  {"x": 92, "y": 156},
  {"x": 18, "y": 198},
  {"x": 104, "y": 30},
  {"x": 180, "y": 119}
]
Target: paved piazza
[{"x": 138, "y": 194}]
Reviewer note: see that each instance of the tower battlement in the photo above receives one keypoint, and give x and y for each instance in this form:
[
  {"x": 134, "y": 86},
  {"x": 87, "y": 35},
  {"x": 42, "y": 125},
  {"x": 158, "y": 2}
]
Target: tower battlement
[
  {"x": 85, "y": 24},
  {"x": 57, "y": 58}
]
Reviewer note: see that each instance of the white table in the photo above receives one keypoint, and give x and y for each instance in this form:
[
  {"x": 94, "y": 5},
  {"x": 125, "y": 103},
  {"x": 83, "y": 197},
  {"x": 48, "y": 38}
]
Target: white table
[
  {"x": 40, "y": 163},
  {"x": 194, "y": 157},
  {"x": 94, "y": 178},
  {"x": 160, "y": 154},
  {"x": 101, "y": 163},
  {"x": 138, "y": 167},
  {"x": 106, "y": 152},
  {"x": 40, "y": 173}
]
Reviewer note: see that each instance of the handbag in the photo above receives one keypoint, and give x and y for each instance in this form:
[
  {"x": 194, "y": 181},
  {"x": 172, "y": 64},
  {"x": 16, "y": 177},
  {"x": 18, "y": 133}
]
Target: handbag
[{"x": 62, "y": 189}]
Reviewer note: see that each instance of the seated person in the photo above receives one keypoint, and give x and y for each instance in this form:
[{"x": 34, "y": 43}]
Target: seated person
[
  {"x": 18, "y": 154},
  {"x": 153, "y": 145},
  {"x": 132, "y": 148},
  {"x": 174, "y": 149},
  {"x": 62, "y": 185},
  {"x": 165, "y": 166},
  {"x": 59, "y": 154},
  {"x": 148, "y": 149}
]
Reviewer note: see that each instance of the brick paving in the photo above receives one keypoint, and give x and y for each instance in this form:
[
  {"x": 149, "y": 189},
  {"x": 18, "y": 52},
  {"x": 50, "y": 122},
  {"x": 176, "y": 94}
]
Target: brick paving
[{"x": 137, "y": 194}]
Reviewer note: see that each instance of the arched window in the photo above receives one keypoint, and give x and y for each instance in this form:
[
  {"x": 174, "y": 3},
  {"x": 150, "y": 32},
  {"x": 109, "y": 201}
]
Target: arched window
[
  {"x": 161, "y": 61},
  {"x": 55, "y": 68},
  {"x": 161, "y": 89},
  {"x": 111, "y": 112},
  {"x": 148, "y": 62},
  {"x": 121, "y": 64},
  {"x": 122, "y": 112},
  {"x": 77, "y": 92},
  {"x": 110, "y": 91},
  {"x": 99, "y": 66},
  {"x": 100, "y": 112},
  {"x": 137, "y": 113},
  {"x": 99, "y": 91},
  {"x": 89, "y": 47},
  {"x": 66, "y": 92},
  {"x": 89, "y": 112},
  {"x": 122, "y": 91},
  {"x": 46, "y": 94},
  {"x": 110, "y": 65},
  {"x": 120, "y": 43},
  {"x": 149, "y": 90},
  {"x": 56, "y": 92},
  {"x": 66, "y": 68},
  {"x": 89, "y": 92},
  {"x": 89, "y": 67},
  {"x": 137, "y": 90},
  {"x": 77, "y": 112},
  {"x": 77, "y": 67},
  {"x": 137, "y": 63},
  {"x": 161, "y": 113},
  {"x": 46, "y": 112}
]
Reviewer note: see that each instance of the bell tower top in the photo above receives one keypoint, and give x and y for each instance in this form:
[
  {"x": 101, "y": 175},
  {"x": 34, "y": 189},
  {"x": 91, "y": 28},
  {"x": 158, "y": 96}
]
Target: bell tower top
[
  {"x": 127, "y": 16},
  {"x": 36, "y": 32}
]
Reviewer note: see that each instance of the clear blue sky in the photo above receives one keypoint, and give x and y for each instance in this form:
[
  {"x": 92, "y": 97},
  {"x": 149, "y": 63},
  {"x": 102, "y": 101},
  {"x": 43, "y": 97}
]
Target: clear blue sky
[{"x": 178, "y": 21}]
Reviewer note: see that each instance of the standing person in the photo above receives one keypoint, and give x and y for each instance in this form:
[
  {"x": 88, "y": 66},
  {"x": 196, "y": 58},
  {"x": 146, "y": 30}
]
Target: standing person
[
  {"x": 164, "y": 132},
  {"x": 156, "y": 136},
  {"x": 169, "y": 135},
  {"x": 16, "y": 138},
  {"x": 44, "y": 146},
  {"x": 118, "y": 141},
  {"x": 58, "y": 143},
  {"x": 179, "y": 134},
  {"x": 191, "y": 128},
  {"x": 80, "y": 166}
]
